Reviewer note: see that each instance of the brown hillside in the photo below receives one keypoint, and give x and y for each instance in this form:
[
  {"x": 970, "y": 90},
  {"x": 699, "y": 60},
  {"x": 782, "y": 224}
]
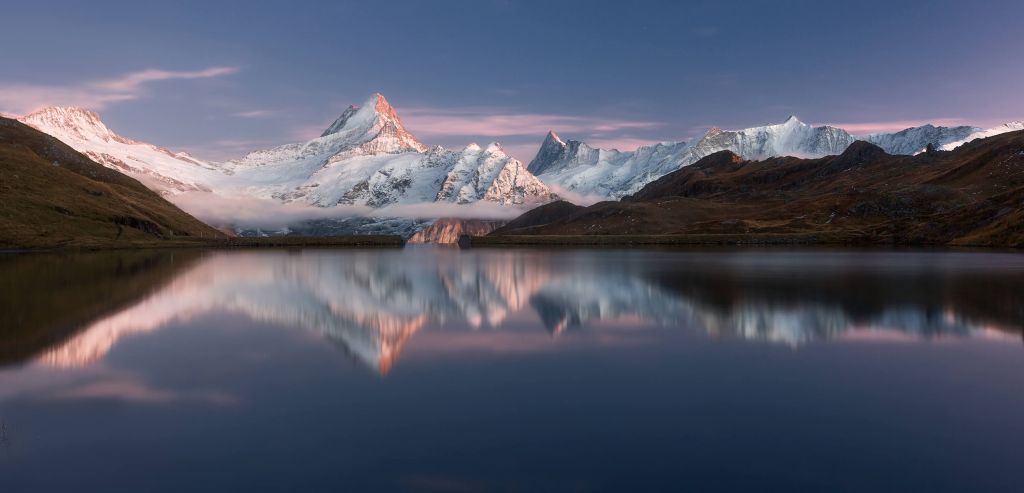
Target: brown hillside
[
  {"x": 973, "y": 195},
  {"x": 541, "y": 215},
  {"x": 53, "y": 196}
]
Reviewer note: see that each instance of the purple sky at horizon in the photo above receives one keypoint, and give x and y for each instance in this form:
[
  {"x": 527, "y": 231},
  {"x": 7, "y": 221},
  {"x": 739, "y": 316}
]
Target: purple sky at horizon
[{"x": 221, "y": 80}]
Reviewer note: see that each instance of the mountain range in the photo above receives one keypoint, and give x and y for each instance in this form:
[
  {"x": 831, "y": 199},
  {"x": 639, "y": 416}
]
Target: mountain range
[
  {"x": 972, "y": 195},
  {"x": 609, "y": 173},
  {"x": 367, "y": 158}
]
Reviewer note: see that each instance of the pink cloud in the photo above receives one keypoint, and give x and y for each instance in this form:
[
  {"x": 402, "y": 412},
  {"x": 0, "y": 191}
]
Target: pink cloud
[
  {"x": 23, "y": 99},
  {"x": 495, "y": 122},
  {"x": 621, "y": 144},
  {"x": 305, "y": 132},
  {"x": 131, "y": 82},
  {"x": 26, "y": 98},
  {"x": 522, "y": 152},
  {"x": 132, "y": 390},
  {"x": 253, "y": 114}
]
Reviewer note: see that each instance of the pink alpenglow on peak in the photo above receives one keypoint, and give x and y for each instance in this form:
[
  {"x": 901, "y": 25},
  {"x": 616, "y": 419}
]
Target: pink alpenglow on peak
[
  {"x": 377, "y": 125},
  {"x": 365, "y": 158}
]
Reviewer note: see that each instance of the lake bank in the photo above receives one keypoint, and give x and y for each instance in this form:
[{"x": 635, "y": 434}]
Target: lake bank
[
  {"x": 808, "y": 239},
  {"x": 363, "y": 241}
]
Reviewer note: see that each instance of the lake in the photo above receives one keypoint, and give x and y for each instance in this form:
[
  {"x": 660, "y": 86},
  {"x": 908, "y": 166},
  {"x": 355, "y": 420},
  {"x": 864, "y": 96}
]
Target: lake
[{"x": 433, "y": 369}]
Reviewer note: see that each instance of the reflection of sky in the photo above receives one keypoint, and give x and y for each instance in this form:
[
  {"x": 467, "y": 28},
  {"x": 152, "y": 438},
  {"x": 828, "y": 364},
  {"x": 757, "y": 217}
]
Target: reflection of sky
[
  {"x": 371, "y": 304},
  {"x": 225, "y": 403}
]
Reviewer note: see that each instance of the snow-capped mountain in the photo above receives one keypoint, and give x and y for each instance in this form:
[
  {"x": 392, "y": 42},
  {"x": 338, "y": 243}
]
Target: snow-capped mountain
[
  {"x": 789, "y": 138},
  {"x": 981, "y": 134},
  {"x": 159, "y": 169},
  {"x": 915, "y": 139},
  {"x": 365, "y": 157},
  {"x": 579, "y": 168}
]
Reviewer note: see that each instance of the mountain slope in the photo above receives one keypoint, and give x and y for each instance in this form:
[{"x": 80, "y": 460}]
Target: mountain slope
[
  {"x": 980, "y": 134},
  {"x": 159, "y": 169},
  {"x": 579, "y": 168},
  {"x": 973, "y": 195},
  {"x": 915, "y": 139},
  {"x": 51, "y": 195},
  {"x": 366, "y": 157}
]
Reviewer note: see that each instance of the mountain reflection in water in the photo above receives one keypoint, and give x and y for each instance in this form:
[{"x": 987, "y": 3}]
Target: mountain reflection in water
[{"x": 372, "y": 302}]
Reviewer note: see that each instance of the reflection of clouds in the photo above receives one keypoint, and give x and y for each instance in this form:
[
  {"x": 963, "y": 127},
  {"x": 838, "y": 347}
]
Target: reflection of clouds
[
  {"x": 103, "y": 383},
  {"x": 136, "y": 391},
  {"x": 372, "y": 302}
]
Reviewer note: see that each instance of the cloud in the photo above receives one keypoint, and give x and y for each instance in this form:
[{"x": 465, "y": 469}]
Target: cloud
[
  {"x": 227, "y": 149},
  {"x": 495, "y": 122},
  {"x": 250, "y": 212},
  {"x": 133, "y": 81},
  {"x": 26, "y": 98},
  {"x": 253, "y": 114},
  {"x": 576, "y": 197},
  {"x": 621, "y": 144},
  {"x": 894, "y": 125},
  {"x": 137, "y": 391},
  {"x": 524, "y": 152}
]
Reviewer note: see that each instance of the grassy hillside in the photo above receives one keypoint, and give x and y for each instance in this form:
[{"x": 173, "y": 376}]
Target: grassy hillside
[{"x": 53, "y": 196}]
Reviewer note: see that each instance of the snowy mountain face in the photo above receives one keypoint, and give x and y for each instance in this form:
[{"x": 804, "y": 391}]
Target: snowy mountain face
[
  {"x": 790, "y": 138},
  {"x": 159, "y": 169},
  {"x": 914, "y": 140},
  {"x": 576, "y": 167},
  {"x": 981, "y": 134},
  {"x": 366, "y": 157}
]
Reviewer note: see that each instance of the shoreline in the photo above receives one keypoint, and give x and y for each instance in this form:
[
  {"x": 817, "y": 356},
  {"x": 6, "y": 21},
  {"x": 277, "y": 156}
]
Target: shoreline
[
  {"x": 798, "y": 239},
  {"x": 503, "y": 241},
  {"x": 361, "y": 241}
]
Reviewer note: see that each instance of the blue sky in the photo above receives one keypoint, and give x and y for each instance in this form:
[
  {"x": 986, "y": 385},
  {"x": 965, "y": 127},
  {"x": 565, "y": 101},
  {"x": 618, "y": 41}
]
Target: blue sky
[{"x": 221, "y": 79}]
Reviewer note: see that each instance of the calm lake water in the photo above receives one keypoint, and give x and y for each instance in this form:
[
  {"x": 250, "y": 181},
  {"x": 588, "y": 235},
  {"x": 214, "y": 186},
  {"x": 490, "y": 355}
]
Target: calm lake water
[{"x": 512, "y": 370}]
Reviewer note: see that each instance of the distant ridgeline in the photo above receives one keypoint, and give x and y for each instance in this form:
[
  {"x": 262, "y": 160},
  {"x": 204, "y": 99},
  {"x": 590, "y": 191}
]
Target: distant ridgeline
[{"x": 973, "y": 195}]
